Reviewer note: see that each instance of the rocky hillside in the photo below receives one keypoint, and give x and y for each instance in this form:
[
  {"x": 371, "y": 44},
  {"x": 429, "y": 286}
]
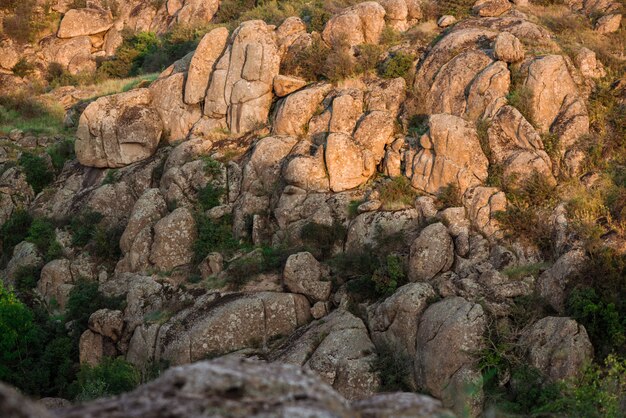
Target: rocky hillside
[{"x": 397, "y": 208}]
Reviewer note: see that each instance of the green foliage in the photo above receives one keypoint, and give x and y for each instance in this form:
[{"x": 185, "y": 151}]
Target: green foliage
[
  {"x": 321, "y": 239},
  {"x": 42, "y": 234},
  {"x": 36, "y": 170},
  {"x": 369, "y": 274},
  {"x": 23, "y": 111},
  {"x": 23, "y": 68},
  {"x": 35, "y": 354},
  {"x": 111, "y": 377},
  {"x": 450, "y": 196},
  {"x": 309, "y": 63},
  {"x": 83, "y": 227},
  {"x": 397, "y": 193},
  {"x": 393, "y": 366},
  {"x": 210, "y": 196},
  {"x": 213, "y": 235},
  {"x": 85, "y": 298},
  {"x": 14, "y": 231},
  {"x": 106, "y": 242},
  {"x": 418, "y": 125},
  {"x": 390, "y": 36},
  {"x": 399, "y": 65},
  {"x": 61, "y": 152},
  {"x": 26, "y": 278},
  {"x": 56, "y": 75},
  {"x": 520, "y": 98},
  {"x": 525, "y": 270},
  {"x": 552, "y": 145},
  {"x": 368, "y": 57},
  {"x": 130, "y": 56}
]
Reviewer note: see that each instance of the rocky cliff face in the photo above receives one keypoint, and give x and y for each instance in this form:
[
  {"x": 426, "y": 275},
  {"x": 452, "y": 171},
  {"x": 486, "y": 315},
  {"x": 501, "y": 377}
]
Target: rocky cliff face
[{"x": 316, "y": 236}]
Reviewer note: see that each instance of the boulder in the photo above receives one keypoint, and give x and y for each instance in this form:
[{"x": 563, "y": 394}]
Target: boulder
[
  {"x": 356, "y": 25},
  {"x": 445, "y": 21},
  {"x": 482, "y": 203},
  {"x": 25, "y": 254},
  {"x": 491, "y": 8},
  {"x": 508, "y": 48},
  {"x": 458, "y": 326},
  {"x": 369, "y": 228},
  {"x": 207, "y": 53},
  {"x": 401, "y": 405},
  {"x": 9, "y": 55},
  {"x": 608, "y": 23},
  {"x": 431, "y": 253},
  {"x": 347, "y": 164},
  {"x": 93, "y": 348},
  {"x": 295, "y": 111},
  {"x": 118, "y": 130},
  {"x": 552, "y": 283},
  {"x": 217, "y": 325},
  {"x": 56, "y": 282},
  {"x": 450, "y": 154},
  {"x": 339, "y": 350},
  {"x": 81, "y": 22},
  {"x": 558, "y": 347},
  {"x": 588, "y": 64},
  {"x": 304, "y": 274},
  {"x": 107, "y": 322},
  {"x": 67, "y": 51},
  {"x": 13, "y": 404},
  {"x": 488, "y": 91},
  {"x": 284, "y": 85},
  {"x": 197, "y": 12},
  {"x": 174, "y": 236},
  {"x": 177, "y": 116}
]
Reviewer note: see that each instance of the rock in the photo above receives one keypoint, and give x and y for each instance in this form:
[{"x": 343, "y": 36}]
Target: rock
[
  {"x": 401, "y": 405},
  {"x": 307, "y": 171},
  {"x": 348, "y": 166},
  {"x": 9, "y": 56},
  {"x": 112, "y": 40},
  {"x": 240, "y": 91},
  {"x": 197, "y": 12},
  {"x": 491, "y": 8},
  {"x": 608, "y": 23},
  {"x": 295, "y": 111},
  {"x": 67, "y": 51},
  {"x": 367, "y": 229},
  {"x": 320, "y": 310},
  {"x": 482, "y": 203},
  {"x": 177, "y": 116},
  {"x": 517, "y": 147},
  {"x": 450, "y": 154},
  {"x": 204, "y": 58},
  {"x": 54, "y": 403},
  {"x": 15, "y": 405},
  {"x": 431, "y": 253},
  {"x": 25, "y": 254},
  {"x": 211, "y": 266},
  {"x": 558, "y": 347},
  {"x": 107, "y": 322},
  {"x": 81, "y": 22},
  {"x": 457, "y": 325},
  {"x": 118, "y": 130},
  {"x": 488, "y": 91},
  {"x": 263, "y": 390},
  {"x": 508, "y": 48},
  {"x": 552, "y": 283},
  {"x": 284, "y": 85},
  {"x": 304, "y": 274},
  {"x": 93, "y": 348},
  {"x": 356, "y": 25},
  {"x": 174, "y": 236},
  {"x": 220, "y": 325},
  {"x": 445, "y": 21},
  {"x": 394, "y": 321},
  {"x": 588, "y": 65},
  {"x": 339, "y": 350},
  {"x": 56, "y": 282}
]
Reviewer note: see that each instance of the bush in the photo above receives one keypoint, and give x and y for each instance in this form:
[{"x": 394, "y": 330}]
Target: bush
[
  {"x": 106, "y": 242},
  {"x": 14, "y": 231},
  {"x": 42, "y": 234},
  {"x": 61, "y": 152},
  {"x": 23, "y": 68},
  {"x": 519, "y": 97},
  {"x": 399, "y": 65},
  {"x": 210, "y": 196},
  {"x": 112, "y": 377},
  {"x": 321, "y": 239},
  {"x": 19, "y": 25},
  {"x": 368, "y": 56},
  {"x": 450, "y": 196},
  {"x": 56, "y": 75},
  {"x": 83, "y": 227},
  {"x": 130, "y": 56},
  {"x": 393, "y": 367},
  {"x": 36, "y": 170},
  {"x": 397, "y": 193},
  {"x": 377, "y": 276},
  {"x": 85, "y": 298},
  {"x": 213, "y": 235},
  {"x": 309, "y": 63}
]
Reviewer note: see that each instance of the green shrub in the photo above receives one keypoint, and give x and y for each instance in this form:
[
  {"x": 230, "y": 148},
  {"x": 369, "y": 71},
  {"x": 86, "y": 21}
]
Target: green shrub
[
  {"x": 399, "y": 65},
  {"x": 130, "y": 56},
  {"x": 393, "y": 367},
  {"x": 61, "y": 152},
  {"x": 210, "y": 196},
  {"x": 14, "y": 230},
  {"x": 552, "y": 145},
  {"x": 418, "y": 125},
  {"x": 367, "y": 58},
  {"x": 520, "y": 98},
  {"x": 213, "y": 235},
  {"x": 106, "y": 242},
  {"x": 340, "y": 64},
  {"x": 450, "y": 196},
  {"x": 56, "y": 75},
  {"x": 373, "y": 276},
  {"x": 397, "y": 193},
  {"x": 111, "y": 377},
  {"x": 321, "y": 239},
  {"x": 390, "y": 36},
  {"x": 42, "y": 234},
  {"x": 83, "y": 227},
  {"x": 36, "y": 170},
  {"x": 310, "y": 62},
  {"x": 23, "y": 68},
  {"x": 85, "y": 298}
]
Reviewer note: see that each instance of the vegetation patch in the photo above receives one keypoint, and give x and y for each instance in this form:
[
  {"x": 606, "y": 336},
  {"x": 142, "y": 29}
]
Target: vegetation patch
[{"x": 111, "y": 377}]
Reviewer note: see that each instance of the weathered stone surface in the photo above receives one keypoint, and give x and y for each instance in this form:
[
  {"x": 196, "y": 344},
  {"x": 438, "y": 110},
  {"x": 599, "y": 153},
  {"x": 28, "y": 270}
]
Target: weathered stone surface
[
  {"x": 431, "y": 253},
  {"x": 445, "y": 21},
  {"x": 204, "y": 58},
  {"x": 450, "y": 154},
  {"x": 401, "y": 405},
  {"x": 80, "y": 22},
  {"x": 339, "y": 350},
  {"x": 295, "y": 111},
  {"x": 367, "y": 228},
  {"x": 118, "y": 130},
  {"x": 56, "y": 282},
  {"x": 93, "y": 348},
  {"x": 488, "y": 91},
  {"x": 448, "y": 332},
  {"x": 608, "y": 23},
  {"x": 359, "y": 24},
  {"x": 552, "y": 283},
  {"x": 588, "y": 64},
  {"x": 304, "y": 274},
  {"x": 307, "y": 171},
  {"x": 347, "y": 164},
  {"x": 197, "y": 12},
  {"x": 107, "y": 322},
  {"x": 284, "y": 85},
  {"x": 394, "y": 321},
  {"x": 482, "y": 203},
  {"x": 9, "y": 55},
  {"x": 13, "y": 404},
  {"x": 220, "y": 325},
  {"x": 558, "y": 347},
  {"x": 491, "y": 8},
  {"x": 508, "y": 48},
  {"x": 25, "y": 254},
  {"x": 177, "y": 116},
  {"x": 174, "y": 236},
  {"x": 66, "y": 51}
]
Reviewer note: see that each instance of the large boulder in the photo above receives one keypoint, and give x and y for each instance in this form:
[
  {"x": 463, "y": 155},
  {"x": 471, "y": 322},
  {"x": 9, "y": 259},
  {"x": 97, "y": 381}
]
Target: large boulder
[
  {"x": 553, "y": 283},
  {"x": 118, "y": 130},
  {"x": 304, "y": 274},
  {"x": 339, "y": 350},
  {"x": 359, "y": 24},
  {"x": 81, "y": 22},
  {"x": 174, "y": 236},
  {"x": 449, "y": 331},
  {"x": 207, "y": 53},
  {"x": 196, "y": 12},
  {"x": 295, "y": 111},
  {"x": 56, "y": 282},
  {"x": 558, "y": 347},
  {"x": 482, "y": 204},
  {"x": 347, "y": 164},
  {"x": 431, "y": 253},
  {"x": 450, "y": 154},
  {"x": 401, "y": 405}
]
